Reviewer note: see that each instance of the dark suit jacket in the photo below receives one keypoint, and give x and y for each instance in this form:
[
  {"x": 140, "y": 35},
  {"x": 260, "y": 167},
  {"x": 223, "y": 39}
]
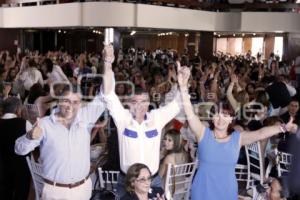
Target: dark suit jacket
[{"x": 279, "y": 94}]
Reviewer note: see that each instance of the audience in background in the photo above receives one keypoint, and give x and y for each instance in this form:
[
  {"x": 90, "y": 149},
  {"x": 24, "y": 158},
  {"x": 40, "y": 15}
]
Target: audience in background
[{"x": 253, "y": 91}]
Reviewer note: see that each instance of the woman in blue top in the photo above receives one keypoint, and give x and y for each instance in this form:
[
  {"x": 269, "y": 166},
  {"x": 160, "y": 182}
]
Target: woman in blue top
[{"x": 218, "y": 148}]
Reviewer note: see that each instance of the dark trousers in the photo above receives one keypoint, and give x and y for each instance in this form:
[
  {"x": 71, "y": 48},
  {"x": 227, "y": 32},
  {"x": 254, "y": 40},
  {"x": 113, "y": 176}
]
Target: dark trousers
[{"x": 15, "y": 184}]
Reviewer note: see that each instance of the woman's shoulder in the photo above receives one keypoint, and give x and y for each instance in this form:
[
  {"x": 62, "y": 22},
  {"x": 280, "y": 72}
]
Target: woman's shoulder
[{"x": 170, "y": 158}]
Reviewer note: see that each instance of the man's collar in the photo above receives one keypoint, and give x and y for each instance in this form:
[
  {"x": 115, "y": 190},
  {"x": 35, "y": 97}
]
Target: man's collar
[
  {"x": 9, "y": 116},
  {"x": 145, "y": 116}
]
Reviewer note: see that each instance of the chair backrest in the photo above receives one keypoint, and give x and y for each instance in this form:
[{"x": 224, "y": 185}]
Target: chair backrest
[
  {"x": 178, "y": 180},
  {"x": 37, "y": 177},
  {"x": 241, "y": 173},
  {"x": 283, "y": 162},
  {"x": 108, "y": 179},
  {"x": 242, "y": 177},
  {"x": 255, "y": 162}
]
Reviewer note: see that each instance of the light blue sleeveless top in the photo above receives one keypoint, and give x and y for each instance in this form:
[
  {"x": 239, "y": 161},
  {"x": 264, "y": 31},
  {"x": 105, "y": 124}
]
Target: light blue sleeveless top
[{"x": 215, "y": 178}]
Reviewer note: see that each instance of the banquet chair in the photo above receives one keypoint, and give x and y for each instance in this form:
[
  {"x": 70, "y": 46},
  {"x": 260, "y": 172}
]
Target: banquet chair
[
  {"x": 283, "y": 162},
  {"x": 36, "y": 174},
  {"x": 178, "y": 181},
  {"x": 241, "y": 173},
  {"x": 255, "y": 164},
  {"x": 108, "y": 179}
]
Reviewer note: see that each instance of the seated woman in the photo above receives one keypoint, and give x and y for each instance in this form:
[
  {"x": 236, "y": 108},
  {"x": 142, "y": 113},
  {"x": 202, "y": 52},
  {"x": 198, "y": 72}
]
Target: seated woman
[
  {"x": 137, "y": 184},
  {"x": 175, "y": 153}
]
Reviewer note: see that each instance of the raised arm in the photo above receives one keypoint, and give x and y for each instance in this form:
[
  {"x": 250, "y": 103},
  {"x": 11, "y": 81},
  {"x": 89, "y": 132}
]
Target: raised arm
[
  {"x": 108, "y": 59},
  {"x": 195, "y": 124},
  {"x": 233, "y": 102},
  {"x": 248, "y": 137},
  {"x": 214, "y": 85},
  {"x": 114, "y": 105},
  {"x": 94, "y": 109},
  {"x": 62, "y": 74}
]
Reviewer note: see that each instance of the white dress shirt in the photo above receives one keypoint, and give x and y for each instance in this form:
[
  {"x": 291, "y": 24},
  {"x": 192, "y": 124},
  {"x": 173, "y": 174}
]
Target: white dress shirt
[
  {"x": 140, "y": 143},
  {"x": 31, "y": 76},
  {"x": 57, "y": 75}
]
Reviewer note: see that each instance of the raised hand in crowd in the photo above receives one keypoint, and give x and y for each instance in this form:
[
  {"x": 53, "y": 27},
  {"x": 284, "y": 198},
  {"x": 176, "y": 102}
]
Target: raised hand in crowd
[
  {"x": 261, "y": 71},
  {"x": 108, "y": 54},
  {"x": 172, "y": 74},
  {"x": 6, "y": 90},
  {"x": 183, "y": 76},
  {"x": 234, "y": 78}
]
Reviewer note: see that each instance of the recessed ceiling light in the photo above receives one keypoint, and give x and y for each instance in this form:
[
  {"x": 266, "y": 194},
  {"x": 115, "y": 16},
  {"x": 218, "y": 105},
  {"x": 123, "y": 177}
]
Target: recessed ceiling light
[{"x": 132, "y": 32}]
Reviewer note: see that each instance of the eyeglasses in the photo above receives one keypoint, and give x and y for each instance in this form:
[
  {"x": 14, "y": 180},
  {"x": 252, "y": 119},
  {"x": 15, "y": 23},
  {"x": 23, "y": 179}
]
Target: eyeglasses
[
  {"x": 139, "y": 102},
  {"x": 144, "y": 180},
  {"x": 68, "y": 101}
]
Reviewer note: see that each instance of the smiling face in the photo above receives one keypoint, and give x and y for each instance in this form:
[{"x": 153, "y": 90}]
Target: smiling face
[
  {"x": 221, "y": 120},
  {"x": 69, "y": 105},
  {"x": 139, "y": 104},
  {"x": 142, "y": 183},
  {"x": 168, "y": 142}
]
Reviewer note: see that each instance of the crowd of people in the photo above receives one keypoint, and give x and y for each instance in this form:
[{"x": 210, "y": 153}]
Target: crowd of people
[{"x": 163, "y": 108}]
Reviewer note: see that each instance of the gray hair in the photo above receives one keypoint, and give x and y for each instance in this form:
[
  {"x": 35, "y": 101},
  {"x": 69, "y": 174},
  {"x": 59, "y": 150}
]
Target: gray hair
[{"x": 11, "y": 105}]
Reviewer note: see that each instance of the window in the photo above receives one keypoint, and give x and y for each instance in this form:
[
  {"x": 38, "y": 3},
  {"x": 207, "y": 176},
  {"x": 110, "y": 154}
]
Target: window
[
  {"x": 238, "y": 46},
  {"x": 278, "y": 46},
  {"x": 257, "y": 45},
  {"x": 222, "y": 45}
]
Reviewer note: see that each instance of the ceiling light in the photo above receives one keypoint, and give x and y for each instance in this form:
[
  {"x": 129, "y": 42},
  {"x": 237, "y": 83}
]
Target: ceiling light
[{"x": 132, "y": 32}]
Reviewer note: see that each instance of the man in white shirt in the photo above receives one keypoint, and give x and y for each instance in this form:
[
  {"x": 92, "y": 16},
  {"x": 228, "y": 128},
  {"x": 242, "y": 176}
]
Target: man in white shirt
[
  {"x": 53, "y": 72},
  {"x": 31, "y": 75},
  {"x": 139, "y": 131}
]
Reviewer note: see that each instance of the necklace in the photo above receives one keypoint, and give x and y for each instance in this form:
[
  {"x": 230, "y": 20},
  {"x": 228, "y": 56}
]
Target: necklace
[{"x": 220, "y": 138}]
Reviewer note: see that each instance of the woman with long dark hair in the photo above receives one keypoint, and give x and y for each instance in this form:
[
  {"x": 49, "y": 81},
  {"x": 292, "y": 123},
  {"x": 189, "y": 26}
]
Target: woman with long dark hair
[{"x": 174, "y": 152}]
